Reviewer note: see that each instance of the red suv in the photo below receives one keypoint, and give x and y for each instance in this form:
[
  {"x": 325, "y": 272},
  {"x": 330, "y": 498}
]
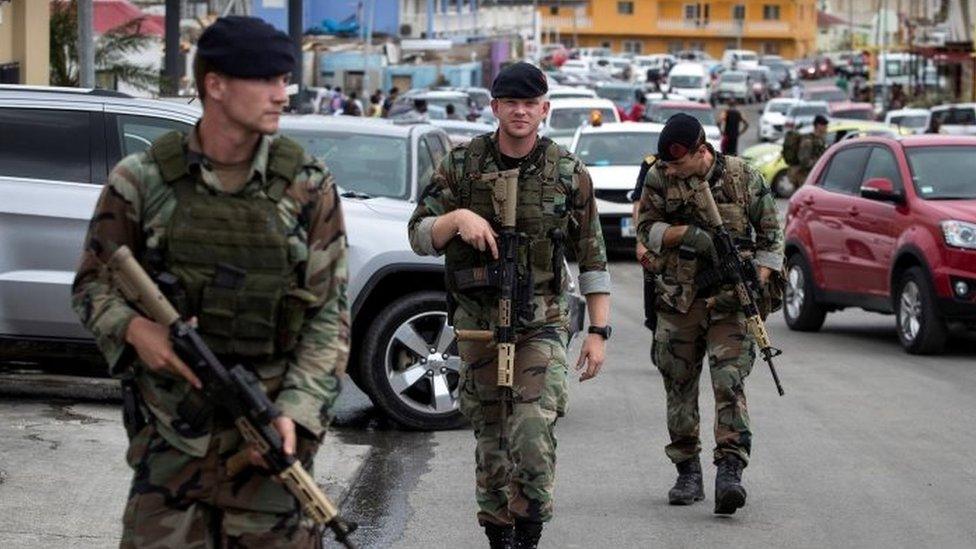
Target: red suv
[{"x": 888, "y": 225}]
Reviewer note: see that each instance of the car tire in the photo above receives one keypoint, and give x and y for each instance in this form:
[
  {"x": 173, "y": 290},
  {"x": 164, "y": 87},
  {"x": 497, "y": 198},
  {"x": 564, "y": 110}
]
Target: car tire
[
  {"x": 410, "y": 365},
  {"x": 781, "y": 184},
  {"x": 800, "y": 309},
  {"x": 921, "y": 330}
]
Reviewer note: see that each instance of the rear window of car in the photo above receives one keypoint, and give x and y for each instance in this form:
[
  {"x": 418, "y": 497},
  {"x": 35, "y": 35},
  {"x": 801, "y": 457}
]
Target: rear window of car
[
  {"x": 778, "y": 107},
  {"x": 45, "y": 144},
  {"x": 570, "y": 118},
  {"x": 661, "y": 114},
  {"x": 807, "y": 111},
  {"x": 831, "y": 96},
  {"x": 910, "y": 120},
  {"x": 685, "y": 81},
  {"x": 734, "y": 77},
  {"x": 853, "y": 114},
  {"x": 943, "y": 173},
  {"x": 616, "y": 94},
  {"x": 372, "y": 164},
  {"x": 615, "y": 149}
]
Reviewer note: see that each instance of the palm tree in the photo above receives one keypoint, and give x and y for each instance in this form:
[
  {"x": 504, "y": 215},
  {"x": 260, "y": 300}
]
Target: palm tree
[{"x": 112, "y": 51}]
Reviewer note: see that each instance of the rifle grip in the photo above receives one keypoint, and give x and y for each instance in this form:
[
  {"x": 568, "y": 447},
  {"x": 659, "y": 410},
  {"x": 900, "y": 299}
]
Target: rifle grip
[
  {"x": 475, "y": 335},
  {"x": 138, "y": 288}
]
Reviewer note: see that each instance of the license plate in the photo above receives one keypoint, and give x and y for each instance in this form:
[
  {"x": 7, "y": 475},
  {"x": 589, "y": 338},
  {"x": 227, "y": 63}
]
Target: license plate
[{"x": 627, "y": 228}]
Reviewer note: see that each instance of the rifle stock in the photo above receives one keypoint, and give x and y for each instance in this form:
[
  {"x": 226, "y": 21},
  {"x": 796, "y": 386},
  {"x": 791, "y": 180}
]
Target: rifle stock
[{"x": 237, "y": 390}]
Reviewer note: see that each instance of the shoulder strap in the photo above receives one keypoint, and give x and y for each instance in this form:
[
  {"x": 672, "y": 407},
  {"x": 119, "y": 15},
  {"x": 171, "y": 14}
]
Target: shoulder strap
[
  {"x": 733, "y": 182},
  {"x": 474, "y": 154},
  {"x": 550, "y": 168},
  {"x": 167, "y": 151},
  {"x": 285, "y": 159}
]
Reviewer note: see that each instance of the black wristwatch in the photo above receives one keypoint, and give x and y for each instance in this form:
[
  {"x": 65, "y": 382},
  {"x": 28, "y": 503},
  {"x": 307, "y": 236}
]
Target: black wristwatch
[{"x": 602, "y": 331}]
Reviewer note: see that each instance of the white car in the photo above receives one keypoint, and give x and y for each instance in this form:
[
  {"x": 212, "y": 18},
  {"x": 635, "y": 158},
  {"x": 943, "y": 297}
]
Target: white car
[
  {"x": 571, "y": 92},
  {"x": 956, "y": 119},
  {"x": 689, "y": 80},
  {"x": 740, "y": 59},
  {"x": 576, "y": 66},
  {"x": 773, "y": 117},
  {"x": 914, "y": 120},
  {"x": 613, "y": 154},
  {"x": 566, "y": 115}
]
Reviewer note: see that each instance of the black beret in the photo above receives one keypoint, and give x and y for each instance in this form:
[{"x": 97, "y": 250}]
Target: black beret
[
  {"x": 246, "y": 47},
  {"x": 820, "y": 119},
  {"x": 519, "y": 81},
  {"x": 681, "y": 134}
]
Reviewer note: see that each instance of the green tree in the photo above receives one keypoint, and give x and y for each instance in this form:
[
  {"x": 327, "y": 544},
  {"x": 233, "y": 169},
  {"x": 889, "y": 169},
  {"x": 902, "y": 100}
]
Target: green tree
[{"x": 112, "y": 51}]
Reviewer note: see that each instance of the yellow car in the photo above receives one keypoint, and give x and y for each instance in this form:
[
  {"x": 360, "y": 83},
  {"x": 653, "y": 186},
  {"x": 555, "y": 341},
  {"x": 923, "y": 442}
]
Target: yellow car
[{"x": 767, "y": 158}]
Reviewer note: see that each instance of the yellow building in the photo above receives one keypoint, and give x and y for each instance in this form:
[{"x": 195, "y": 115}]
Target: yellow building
[
  {"x": 783, "y": 27},
  {"x": 24, "y": 42}
]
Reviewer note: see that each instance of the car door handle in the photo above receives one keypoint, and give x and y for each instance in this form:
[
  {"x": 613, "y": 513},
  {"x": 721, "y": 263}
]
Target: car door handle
[
  {"x": 853, "y": 211},
  {"x": 808, "y": 201}
]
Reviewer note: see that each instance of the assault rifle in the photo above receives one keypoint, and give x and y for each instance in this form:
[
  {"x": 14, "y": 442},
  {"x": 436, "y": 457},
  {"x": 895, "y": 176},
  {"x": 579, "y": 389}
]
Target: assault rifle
[
  {"x": 514, "y": 287},
  {"x": 236, "y": 390},
  {"x": 743, "y": 275}
]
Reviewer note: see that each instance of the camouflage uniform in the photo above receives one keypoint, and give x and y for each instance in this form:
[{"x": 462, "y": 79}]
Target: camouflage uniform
[
  {"x": 694, "y": 321},
  {"x": 810, "y": 148},
  {"x": 518, "y": 482},
  {"x": 181, "y": 494}
]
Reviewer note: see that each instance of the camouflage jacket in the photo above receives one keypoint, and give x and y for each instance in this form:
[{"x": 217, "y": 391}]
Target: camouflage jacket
[
  {"x": 745, "y": 203},
  {"x": 810, "y": 149},
  {"x": 134, "y": 209},
  {"x": 585, "y": 235}
]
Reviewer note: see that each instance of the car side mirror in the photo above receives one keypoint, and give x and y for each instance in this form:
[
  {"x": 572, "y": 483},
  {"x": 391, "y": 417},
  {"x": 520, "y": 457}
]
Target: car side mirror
[{"x": 881, "y": 188}]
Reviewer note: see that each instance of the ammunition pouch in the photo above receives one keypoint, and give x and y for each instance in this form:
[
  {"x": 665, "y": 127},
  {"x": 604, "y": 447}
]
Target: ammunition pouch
[
  {"x": 650, "y": 298},
  {"x": 133, "y": 417}
]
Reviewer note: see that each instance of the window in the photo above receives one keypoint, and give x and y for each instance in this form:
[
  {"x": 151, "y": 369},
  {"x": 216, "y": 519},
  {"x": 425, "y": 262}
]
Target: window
[
  {"x": 697, "y": 13},
  {"x": 425, "y": 164},
  {"x": 436, "y": 147},
  {"x": 371, "y": 164},
  {"x": 674, "y": 46},
  {"x": 844, "y": 173},
  {"x": 633, "y": 46},
  {"x": 739, "y": 12},
  {"x": 625, "y": 8},
  {"x": 770, "y": 12},
  {"x": 45, "y": 144},
  {"x": 553, "y": 10},
  {"x": 136, "y": 133},
  {"x": 943, "y": 173},
  {"x": 605, "y": 45},
  {"x": 696, "y": 45},
  {"x": 770, "y": 48},
  {"x": 882, "y": 164}
]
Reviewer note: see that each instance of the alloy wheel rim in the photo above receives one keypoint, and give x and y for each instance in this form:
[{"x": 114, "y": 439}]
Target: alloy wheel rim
[
  {"x": 910, "y": 311},
  {"x": 795, "y": 293},
  {"x": 422, "y": 364}
]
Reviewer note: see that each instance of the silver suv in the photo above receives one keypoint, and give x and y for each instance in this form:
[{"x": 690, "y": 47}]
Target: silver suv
[{"x": 57, "y": 146}]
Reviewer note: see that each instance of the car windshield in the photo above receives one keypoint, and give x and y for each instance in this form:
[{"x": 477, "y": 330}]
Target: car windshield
[
  {"x": 685, "y": 81},
  {"x": 480, "y": 98},
  {"x": 615, "y": 94},
  {"x": 570, "y": 119},
  {"x": 943, "y": 173},
  {"x": 778, "y": 107},
  {"x": 831, "y": 96},
  {"x": 911, "y": 120},
  {"x": 758, "y": 75},
  {"x": 615, "y": 149},
  {"x": 570, "y": 95},
  {"x": 734, "y": 77},
  {"x": 661, "y": 114},
  {"x": 371, "y": 164},
  {"x": 854, "y": 114},
  {"x": 458, "y": 102},
  {"x": 807, "y": 110}
]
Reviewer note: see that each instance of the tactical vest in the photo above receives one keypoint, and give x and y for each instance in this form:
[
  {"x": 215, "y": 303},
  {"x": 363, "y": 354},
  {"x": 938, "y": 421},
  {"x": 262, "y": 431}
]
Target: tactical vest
[
  {"x": 231, "y": 257},
  {"x": 543, "y": 205},
  {"x": 684, "y": 275}
]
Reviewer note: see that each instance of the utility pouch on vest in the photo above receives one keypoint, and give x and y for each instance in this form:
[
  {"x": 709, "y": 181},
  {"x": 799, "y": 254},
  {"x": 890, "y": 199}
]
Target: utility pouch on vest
[
  {"x": 132, "y": 415},
  {"x": 650, "y": 299},
  {"x": 558, "y": 238},
  {"x": 687, "y": 264},
  {"x": 293, "y": 310}
]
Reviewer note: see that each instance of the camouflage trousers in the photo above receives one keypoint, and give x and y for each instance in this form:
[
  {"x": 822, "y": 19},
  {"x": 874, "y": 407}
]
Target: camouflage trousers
[
  {"x": 681, "y": 342},
  {"x": 177, "y": 500},
  {"x": 797, "y": 175},
  {"x": 516, "y": 481}
]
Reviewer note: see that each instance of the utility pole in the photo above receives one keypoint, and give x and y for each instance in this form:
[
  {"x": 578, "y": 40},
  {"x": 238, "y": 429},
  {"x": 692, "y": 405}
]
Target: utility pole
[
  {"x": 86, "y": 45},
  {"x": 171, "y": 59},
  {"x": 295, "y": 31}
]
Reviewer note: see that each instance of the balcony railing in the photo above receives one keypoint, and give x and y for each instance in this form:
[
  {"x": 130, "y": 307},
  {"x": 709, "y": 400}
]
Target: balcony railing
[
  {"x": 767, "y": 27},
  {"x": 566, "y": 22},
  {"x": 698, "y": 25}
]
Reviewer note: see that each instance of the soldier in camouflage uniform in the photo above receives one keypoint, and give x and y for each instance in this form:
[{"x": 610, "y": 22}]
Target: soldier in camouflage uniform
[
  {"x": 697, "y": 314},
  {"x": 455, "y": 217},
  {"x": 810, "y": 148},
  {"x": 252, "y": 228}
]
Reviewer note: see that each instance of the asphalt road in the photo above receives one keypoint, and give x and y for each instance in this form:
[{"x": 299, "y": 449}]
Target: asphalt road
[{"x": 870, "y": 447}]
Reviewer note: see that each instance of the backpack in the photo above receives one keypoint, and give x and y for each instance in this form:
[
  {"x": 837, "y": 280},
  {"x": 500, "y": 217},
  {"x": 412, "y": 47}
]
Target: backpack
[{"x": 791, "y": 148}]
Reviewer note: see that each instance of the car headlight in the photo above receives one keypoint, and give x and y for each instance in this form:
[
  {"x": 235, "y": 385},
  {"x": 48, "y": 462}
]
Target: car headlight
[
  {"x": 767, "y": 158},
  {"x": 959, "y": 234}
]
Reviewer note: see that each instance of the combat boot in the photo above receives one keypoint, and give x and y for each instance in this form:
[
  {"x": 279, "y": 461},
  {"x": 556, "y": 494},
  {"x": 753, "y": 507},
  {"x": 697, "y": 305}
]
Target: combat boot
[
  {"x": 527, "y": 534},
  {"x": 729, "y": 493},
  {"x": 499, "y": 537},
  {"x": 689, "y": 487}
]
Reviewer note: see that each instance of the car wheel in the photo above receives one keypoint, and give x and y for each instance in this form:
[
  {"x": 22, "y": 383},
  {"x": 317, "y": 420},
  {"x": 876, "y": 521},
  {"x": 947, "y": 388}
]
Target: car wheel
[
  {"x": 920, "y": 329},
  {"x": 410, "y": 364},
  {"x": 782, "y": 185},
  {"x": 801, "y": 311}
]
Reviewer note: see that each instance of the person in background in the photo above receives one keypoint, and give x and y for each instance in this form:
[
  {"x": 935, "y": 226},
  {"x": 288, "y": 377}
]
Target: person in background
[
  {"x": 452, "y": 112},
  {"x": 352, "y": 105},
  {"x": 732, "y": 124},
  {"x": 388, "y": 102},
  {"x": 639, "y": 109},
  {"x": 335, "y": 106}
]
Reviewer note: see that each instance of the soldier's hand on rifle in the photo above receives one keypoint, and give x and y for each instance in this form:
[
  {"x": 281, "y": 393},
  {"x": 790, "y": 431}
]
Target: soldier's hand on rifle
[
  {"x": 151, "y": 342},
  {"x": 699, "y": 240},
  {"x": 286, "y": 428},
  {"x": 641, "y": 250},
  {"x": 476, "y": 231},
  {"x": 764, "y": 274},
  {"x": 592, "y": 355}
]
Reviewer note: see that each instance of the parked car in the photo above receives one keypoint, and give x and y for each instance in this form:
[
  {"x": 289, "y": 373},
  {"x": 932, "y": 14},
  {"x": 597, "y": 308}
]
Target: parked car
[
  {"x": 740, "y": 59},
  {"x": 403, "y": 104},
  {"x": 888, "y": 226},
  {"x": 462, "y": 131},
  {"x": 622, "y": 94},
  {"x": 566, "y": 115},
  {"x": 732, "y": 84},
  {"x": 662, "y": 110},
  {"x": 956, "y": 119},
  {"x": 613, "y": 154},
  {"x": 849, "y": 110},
  {"x": 915, "y": 120},
  {"x": 802, "y": 113},
  {"x": 690, "y": 80},
  {"x": 571, "y": 92},
  {"x": 773, "y": 117},
  {"x": 830, "y": 94},
  {"x": 697, "y": 56},
  {"x": 761, "y": 84},
  {"x": 58, "y": 145},
  {"x": 806, "y": 69}
]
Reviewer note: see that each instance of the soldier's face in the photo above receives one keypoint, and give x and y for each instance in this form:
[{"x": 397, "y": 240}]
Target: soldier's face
[
  {"x": 688, "y": 165},
  {"x": 520, "y": 118},
  {"x": 253, "y": 103}
]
